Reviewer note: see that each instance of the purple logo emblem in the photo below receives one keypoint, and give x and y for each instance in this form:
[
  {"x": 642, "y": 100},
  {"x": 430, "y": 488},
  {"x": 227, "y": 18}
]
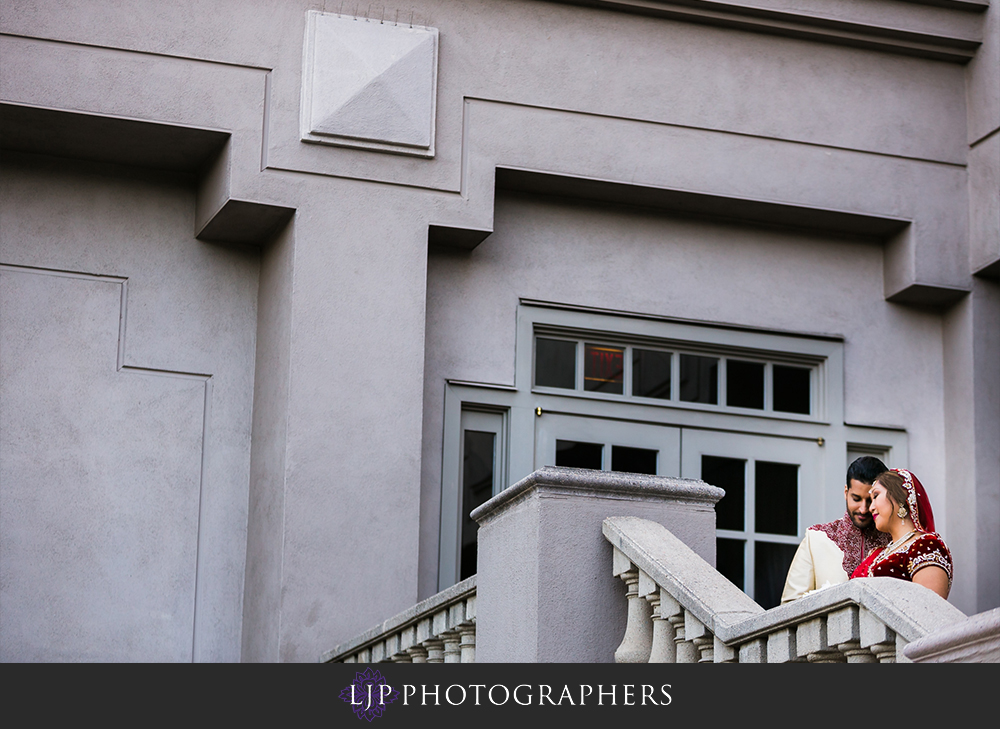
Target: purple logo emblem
[{"x": 369, "y": 694}]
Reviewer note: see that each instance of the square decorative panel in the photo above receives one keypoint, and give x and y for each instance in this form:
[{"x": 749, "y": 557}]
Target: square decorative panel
[{"x": 369, "y": 83}]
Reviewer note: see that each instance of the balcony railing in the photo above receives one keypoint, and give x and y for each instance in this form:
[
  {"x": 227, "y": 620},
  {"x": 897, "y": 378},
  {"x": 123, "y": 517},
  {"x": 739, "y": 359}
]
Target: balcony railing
[
  {"x": 680, "y": 609},
  {"x": 544, "y": 592},
  {"x": 441, "y": 629}
]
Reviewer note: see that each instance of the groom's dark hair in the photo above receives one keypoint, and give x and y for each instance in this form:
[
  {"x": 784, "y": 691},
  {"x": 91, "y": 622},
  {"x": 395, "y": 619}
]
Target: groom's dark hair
[{"x": 865, "y": 469}]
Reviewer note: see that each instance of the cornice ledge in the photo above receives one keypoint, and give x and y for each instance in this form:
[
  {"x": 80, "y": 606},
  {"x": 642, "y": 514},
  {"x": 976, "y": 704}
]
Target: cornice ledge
[{"x": 946, "y": 42}]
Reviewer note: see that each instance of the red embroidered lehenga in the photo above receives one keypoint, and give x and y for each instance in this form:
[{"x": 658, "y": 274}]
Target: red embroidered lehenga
[{"x": 927, "y": 549}]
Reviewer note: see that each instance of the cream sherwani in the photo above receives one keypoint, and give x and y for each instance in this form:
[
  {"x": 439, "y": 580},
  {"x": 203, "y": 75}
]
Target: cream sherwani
[{"x": 817, "y": 562}]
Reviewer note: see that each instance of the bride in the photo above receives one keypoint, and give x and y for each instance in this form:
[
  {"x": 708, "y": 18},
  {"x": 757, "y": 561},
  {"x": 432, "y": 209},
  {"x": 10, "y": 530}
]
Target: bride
[{"x": 901, "y": 509}]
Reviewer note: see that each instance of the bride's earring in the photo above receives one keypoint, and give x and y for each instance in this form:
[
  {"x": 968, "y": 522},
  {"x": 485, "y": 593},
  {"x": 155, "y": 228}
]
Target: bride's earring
[{"x": 901, "y": 513}]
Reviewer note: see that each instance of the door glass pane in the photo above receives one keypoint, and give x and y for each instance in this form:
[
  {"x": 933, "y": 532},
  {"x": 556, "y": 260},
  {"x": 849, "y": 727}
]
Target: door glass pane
[
  {"x": 791, "y": 389},
  {"x": 604, "y": 369},
  {"x": 745, "y": 384},
  {"x": 651, "y": 373},
  {"x": 776, "y": 502},
  {"x": 729, "y": 559},
  {"x": 574, "y": 454},
  {"x": 771, "y": 565},
  {"x": 477, "y": 488},
  {"x": 699, "y": 379},
  {"x": 728, "y": 474},
  {"x": 633, "y": 460},
  {"x": 555, "y": 363}
]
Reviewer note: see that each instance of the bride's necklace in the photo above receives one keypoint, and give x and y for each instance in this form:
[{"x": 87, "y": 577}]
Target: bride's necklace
[
  {"x": 893, "y": 546},
  {"x": 890, "y": 549}
]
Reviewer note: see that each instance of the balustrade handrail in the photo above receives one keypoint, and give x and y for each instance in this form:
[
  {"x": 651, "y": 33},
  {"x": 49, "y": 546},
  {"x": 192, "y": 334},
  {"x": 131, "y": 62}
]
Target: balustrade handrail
[
  {"x": 422, "y": 633},
  {"x": 721, "y": 618},
  {"x": 682, "y": 609}
]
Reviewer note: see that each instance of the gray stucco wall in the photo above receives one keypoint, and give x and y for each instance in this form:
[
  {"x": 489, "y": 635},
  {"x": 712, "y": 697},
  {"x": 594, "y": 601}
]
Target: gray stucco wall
[
  {"x": 328, "y": 522},
  {"x": 127, "y": 377}
]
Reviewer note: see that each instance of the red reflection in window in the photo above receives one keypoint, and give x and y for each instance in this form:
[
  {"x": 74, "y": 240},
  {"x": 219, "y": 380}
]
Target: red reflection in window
[{"x": 604, "y": 369}]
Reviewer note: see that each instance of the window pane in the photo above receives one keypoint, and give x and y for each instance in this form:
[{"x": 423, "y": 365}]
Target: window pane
[
  {"x": 771, "y": 563},
  {"x": 477, "y": 488},
  {"x": 604, "y": 369},
  {"x": 555, "y": 363},
  {"x": 791, "y": 389},
  {"x": 579, "y": 455},
  {"x": 776, "y": 503},
  {"x": 745, "y": 384},
  {"x": 728, "y": 474},
  {"x": 699, "y": 379},
  {"x": 729, "y": 560},
  {"x": 633, "y": 460},
  {"x": 651, "y": 374}
]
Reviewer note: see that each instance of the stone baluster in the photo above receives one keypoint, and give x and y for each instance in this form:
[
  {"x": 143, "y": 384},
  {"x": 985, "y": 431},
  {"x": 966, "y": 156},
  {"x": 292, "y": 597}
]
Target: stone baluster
[
  {"x": 407, "y": 639},
  {"x": 452, "y": 646},
  {"x": 854, "y": 653},
  {"x": 812, "y": 644},
  {"x": 723, "y": 653},
  {"x": 638, "y": 639},
  {"x": 664, "y": 634},
  {"x": 417, "y": 653},
  {"x": 781, "y": 646},
  {"x": 672, "y": 615},
  {"x": 637, "y": 642},
  {"x": 392, "y": 649},
  {"x": 843, "y": 630},
  {"x": 468, "y": 642},
  {"x": 877, "y": 637},
  {"x": 456, "y": 615},
  {"x": 467, "y": 630},
  {"x": 884, "y": 652},
  {"x": 684, "y": 650},
  {"x": 663, "y": 649},
  {"x": 754, "y": 651},
  {"x": 435, "y": 650},
  {"x": 703, "y": 640},
  {"x": 435, "y": 645},
  {"x": 423, "y": 635}
]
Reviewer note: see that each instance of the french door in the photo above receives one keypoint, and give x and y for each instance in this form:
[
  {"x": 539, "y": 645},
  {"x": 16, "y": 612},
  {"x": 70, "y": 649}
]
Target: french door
[
  {"x": 773, "y": 485},
  {"x": 773, "y": 493},
  {"x": 606, "y": 445}
]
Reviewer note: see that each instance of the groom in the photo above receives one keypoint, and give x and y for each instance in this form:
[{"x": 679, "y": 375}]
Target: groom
[{"x": 831, "y": 552}]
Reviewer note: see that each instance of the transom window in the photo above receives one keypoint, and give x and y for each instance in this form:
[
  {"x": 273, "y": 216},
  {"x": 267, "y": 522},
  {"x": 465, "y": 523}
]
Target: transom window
[{"x": 672, "y": 374}]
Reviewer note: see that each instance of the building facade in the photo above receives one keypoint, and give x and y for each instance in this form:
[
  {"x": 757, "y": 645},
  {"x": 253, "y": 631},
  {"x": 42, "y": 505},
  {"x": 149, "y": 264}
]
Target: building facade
[{"x": 288, "y": 288}]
